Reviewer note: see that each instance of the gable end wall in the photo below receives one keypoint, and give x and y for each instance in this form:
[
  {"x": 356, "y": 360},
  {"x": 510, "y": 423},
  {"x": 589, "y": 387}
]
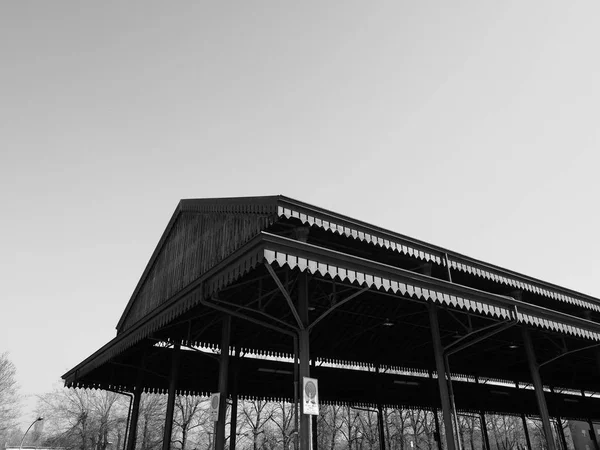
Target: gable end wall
[{"x": 196, "y": 243}]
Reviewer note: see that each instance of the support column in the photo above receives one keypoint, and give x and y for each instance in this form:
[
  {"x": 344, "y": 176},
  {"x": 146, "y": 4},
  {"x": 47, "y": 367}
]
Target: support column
[
  {"x": 223, "y": 383},
  {"x": 314, "y": 426},
  {"x": 484, "y": 430},
  {"x": 438, "y": 351},
  {"x": 296, "y": 393},
  {"x": 134, "y": 409},
  {"x": 234, "y": 399},
  {"x": 559, "y": 428},
  {"x": 313, "y": 431},
  {"x": 135, "y": 413},
  {"x": 525, "y": 427},
  {"x": 304, "y": 356},
  {"x": 380, "y": 426},
  {"x": 526, "y": 430},
  {"x": 438, "y": 434},
  {"x": 171, "y": 399},
  {"x": 452, "y": 403},
  {"x": 539, "y": 389},
  {"x": 561, "y": 433}
]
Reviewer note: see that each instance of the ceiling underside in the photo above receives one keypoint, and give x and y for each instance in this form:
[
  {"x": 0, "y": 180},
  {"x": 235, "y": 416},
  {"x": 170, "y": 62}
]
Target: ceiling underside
[
  {"x": 374, "y": 328},
  {"x": 274, "y": 380}
]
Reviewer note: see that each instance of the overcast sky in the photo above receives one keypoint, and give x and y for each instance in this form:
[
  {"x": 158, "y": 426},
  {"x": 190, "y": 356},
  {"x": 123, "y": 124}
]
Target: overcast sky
[{"x": 471, "y": 125}]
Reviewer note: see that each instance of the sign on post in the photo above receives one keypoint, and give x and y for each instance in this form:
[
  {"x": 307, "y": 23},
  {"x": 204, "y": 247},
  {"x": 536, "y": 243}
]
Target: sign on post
[
  {"x": 215, "y": 399},
  {"x": 310, "y": 396}
]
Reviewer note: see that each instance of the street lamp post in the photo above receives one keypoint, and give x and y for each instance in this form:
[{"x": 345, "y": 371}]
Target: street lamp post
[{"x": 32, "y": 423}]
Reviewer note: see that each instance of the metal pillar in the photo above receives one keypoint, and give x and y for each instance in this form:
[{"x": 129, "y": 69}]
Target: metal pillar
[
  {"x": 380, "y": 426},
  {"x": 526, "y": 430},
  {"x": 313, "y": 431},
  {"x": 484, "y": 431},
  {"x": 438, "y": 350},
  {"x": 135, "y": 413},
  {"x": 234, "y": 400},
  {"x": 304, "y": 357},
  {"x": 171, "y": 399},
  {"x": 134, "y": 410},
  {"x": 296, "y": 393},
  {"x": 559, "y": 429},
  {"x": 223, "y": 383},
  {"x": 452, "y": 403},
  {"x": 561, "y": 433},
  {"x": 314, "y": 425},
  {"x": 438, "y": 435},
  {"x": 525, "y": 427},
  {"x": 134, "y": 407},
  {"x": 539, "y": 389},
  {"x": 437, "y": 421}
]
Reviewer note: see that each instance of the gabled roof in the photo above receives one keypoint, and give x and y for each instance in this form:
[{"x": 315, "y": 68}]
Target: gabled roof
[
  {"x": 281, "y": 208},
  {"x": 344, "y": 258},
  {"x": 237, "y": 205}
]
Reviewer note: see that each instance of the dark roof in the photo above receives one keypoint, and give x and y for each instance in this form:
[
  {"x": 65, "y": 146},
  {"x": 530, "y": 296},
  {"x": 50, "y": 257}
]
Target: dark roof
[
  {"x": 245, "y": 240},
  {"x": 280, "y": 207}
]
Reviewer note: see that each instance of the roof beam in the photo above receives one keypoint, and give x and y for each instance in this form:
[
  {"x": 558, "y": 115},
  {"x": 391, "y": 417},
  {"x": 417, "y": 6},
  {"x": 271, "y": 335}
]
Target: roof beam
[{"x": 286, "y": 295}]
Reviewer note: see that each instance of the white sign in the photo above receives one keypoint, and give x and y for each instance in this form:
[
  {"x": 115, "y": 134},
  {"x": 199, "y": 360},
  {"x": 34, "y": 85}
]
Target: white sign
[
  {"x": 215, "y": 399},
  {"x": 310, "y": 396}
]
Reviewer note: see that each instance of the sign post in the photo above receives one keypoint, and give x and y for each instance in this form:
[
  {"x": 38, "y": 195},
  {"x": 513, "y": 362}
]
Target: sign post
[
  {"x": 310, "y": 396},
  {"x": 215, "y": 399}
]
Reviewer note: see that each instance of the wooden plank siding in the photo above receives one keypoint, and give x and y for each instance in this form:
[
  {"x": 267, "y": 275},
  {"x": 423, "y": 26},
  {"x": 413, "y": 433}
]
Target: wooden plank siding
[{"x": 196, "y": 243}]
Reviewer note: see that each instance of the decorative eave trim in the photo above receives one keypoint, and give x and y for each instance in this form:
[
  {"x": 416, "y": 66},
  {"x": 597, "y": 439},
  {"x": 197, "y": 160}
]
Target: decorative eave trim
[
  {"x": 363, "y": 234},
  {"x": 325, "y": 262},
  {"x": 380, "y": 237},
  {"x": 520, "y": 282}
]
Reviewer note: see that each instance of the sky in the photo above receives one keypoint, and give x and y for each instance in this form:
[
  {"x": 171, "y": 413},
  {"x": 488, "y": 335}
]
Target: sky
[{"x": 471, "y": 125}]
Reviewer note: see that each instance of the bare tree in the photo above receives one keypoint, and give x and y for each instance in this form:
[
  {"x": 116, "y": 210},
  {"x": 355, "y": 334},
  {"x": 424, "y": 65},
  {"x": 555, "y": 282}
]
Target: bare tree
[
  {"x": 151, "y": 421},
  {"x": 369, "y": 433},
  {"x": 429, "y": 429},
  {"x": 283, "y": 419},
  {"x": 469, "y": 430},
  {"x": 9, "y": 398},
  {"x": 507, "y": 431},
  {"x": 256, "y": 414},
  {"x": 538, "y": 439},
  {"x": 350, "y": 426},
  {"x": 83, "y": 419},
  {"x": 191, "y": 412},
  {"x": 330, "y": 424},
  {"x": 398, "y": 424},
  {"x": 416, "y": 418}
]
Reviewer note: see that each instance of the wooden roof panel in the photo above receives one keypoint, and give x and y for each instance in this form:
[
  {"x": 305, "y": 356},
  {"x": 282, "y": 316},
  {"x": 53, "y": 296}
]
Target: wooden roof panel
[{"x": 184, "y": 251}]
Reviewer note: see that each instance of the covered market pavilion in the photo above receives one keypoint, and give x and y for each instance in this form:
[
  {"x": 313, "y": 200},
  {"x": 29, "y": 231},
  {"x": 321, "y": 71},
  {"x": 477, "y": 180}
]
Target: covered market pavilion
[{"x": 281, "y": 290}]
